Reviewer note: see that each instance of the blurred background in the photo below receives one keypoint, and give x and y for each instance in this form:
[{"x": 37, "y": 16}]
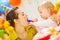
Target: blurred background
[{"x": 31, "y": 7}]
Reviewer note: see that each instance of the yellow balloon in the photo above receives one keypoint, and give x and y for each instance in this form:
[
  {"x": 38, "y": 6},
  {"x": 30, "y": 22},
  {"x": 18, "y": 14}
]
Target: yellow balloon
[
  {"x": 56, "y": 33},
  {"x": 9, "y": 30},
  {"x": 57, "y": 5},
  {"x": 6, "y": 24}
]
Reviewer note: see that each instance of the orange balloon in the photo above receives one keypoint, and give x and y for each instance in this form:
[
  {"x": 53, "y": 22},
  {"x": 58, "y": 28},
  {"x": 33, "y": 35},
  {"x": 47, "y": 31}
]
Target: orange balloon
[
  {"x": 15, "y": 2},
  {"x": 55, "y": 11}
]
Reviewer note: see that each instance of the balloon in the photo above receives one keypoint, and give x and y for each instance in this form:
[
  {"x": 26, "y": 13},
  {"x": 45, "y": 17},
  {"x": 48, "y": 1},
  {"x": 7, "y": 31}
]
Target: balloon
[
  {"x": 15, "y": 2},
  {"x": 5, "y": 3},
  {"x": 55, "y": 11},
  {"x": 2, "y": 32},
  {"x": 3, "y": 9},
  {"x": 56, "y": 8},
  {"x": 57, "y": 5},
  {"x": 4, "y": 6}
]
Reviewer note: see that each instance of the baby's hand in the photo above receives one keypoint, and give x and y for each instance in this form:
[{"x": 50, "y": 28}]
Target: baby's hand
[{"x": 35, "y": 20}]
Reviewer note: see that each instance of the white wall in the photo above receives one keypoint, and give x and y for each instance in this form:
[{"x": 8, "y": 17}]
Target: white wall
[{"x": 30, "y": 7}]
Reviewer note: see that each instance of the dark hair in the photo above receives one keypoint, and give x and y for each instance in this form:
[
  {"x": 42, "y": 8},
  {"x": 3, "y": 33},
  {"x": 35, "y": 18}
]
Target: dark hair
[{"x": 11, "y": 16}]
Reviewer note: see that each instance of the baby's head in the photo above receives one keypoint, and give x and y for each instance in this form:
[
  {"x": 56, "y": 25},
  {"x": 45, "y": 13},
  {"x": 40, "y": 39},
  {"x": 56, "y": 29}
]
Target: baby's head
[{"x": 46, "y": 10}]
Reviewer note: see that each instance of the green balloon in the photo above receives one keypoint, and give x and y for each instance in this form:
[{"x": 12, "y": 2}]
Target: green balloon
[{"x": 2, "y": 32}]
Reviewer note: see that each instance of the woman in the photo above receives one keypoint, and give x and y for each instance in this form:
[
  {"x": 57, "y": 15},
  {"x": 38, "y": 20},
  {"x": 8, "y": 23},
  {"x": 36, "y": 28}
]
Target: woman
[{"x": 22, "y": 27}]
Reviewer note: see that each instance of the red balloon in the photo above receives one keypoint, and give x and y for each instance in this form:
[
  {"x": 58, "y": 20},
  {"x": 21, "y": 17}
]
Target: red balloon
[{"x": 15, "y": 2}]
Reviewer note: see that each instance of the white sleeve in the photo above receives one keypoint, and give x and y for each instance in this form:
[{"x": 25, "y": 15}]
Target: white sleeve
[
  {"x": 40, "y": 25},
  {"x": 45, "y": 24}
]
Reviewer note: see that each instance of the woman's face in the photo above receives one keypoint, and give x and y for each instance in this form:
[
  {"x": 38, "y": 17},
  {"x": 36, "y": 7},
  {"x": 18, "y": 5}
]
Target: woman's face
[{"x": 21, "y": 16}]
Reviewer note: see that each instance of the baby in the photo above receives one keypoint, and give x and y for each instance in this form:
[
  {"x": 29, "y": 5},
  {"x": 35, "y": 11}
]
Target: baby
[
  {"x": 45, "y": 10},
  {"x": 55, "y": 18},
  {"x": 41, "y": 34},
  {"x": 51, "y": 19}
]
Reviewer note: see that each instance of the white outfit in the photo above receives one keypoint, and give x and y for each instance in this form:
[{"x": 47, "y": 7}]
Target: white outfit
[
  {"x": 45, "y": 24},
  {"x": 41, "y": 34},
  {"x": 43, "y": 27},
  {"x": 45, "y": 32}
]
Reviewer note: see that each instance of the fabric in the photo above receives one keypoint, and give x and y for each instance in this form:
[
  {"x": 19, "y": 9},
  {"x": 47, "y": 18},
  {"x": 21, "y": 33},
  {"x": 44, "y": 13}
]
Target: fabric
[
  {"x": 31, "y": 31},
  {"x": 45, "y": 24},
  {"x": 13, "y": 36}
]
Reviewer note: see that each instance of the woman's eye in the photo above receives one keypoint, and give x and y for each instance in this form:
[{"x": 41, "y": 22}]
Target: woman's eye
[{"x": 23, "y": 13}]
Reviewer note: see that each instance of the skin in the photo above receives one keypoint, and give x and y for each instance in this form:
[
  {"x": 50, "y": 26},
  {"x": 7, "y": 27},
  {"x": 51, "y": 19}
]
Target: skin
[
  {"x": 44, "y": 12},
  {"x": 56, "y": 18},
  {"x": 20, "y": 24}
]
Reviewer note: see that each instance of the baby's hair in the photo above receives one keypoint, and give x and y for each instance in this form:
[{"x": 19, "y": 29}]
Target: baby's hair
[
  {"x": 47, "y": 5},
  {"x": 11, "y": 16}
]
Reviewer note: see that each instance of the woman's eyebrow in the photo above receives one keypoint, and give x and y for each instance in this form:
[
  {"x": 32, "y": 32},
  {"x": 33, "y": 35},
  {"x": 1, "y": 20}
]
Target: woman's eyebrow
[{"x": 22, "y": 12}]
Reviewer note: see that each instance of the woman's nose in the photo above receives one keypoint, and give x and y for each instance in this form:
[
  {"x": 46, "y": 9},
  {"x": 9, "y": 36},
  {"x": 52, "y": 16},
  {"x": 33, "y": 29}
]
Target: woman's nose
[{"x": 26, "y": 15}]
